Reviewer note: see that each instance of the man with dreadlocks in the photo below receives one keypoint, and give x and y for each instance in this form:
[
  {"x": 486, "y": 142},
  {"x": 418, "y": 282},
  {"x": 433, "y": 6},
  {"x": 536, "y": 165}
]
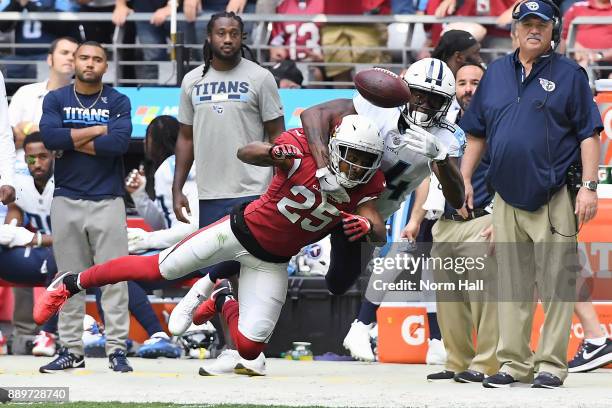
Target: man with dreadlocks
[{"x": 227, "y": 102}]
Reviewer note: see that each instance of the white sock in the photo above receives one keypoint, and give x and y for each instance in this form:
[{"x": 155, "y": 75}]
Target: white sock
[{"x": 598, "y": 341}]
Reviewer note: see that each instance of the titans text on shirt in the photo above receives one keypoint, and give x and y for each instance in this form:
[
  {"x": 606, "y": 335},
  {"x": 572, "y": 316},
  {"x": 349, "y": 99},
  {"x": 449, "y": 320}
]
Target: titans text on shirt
[
  {"x": 533, "y": 125},
  {"x": 79, "y": 175}
]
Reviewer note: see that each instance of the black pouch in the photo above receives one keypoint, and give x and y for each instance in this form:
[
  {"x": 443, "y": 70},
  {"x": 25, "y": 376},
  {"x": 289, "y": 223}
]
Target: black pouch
[{"x": 573, "y": 179}]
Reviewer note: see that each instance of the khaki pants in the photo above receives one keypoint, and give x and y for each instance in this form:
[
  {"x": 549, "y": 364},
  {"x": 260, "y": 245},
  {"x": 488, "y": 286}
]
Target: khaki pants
[
  {"x": 530, "y": 271},
  {"x": 87, "y": 233},
  {"x": 458, "y": 319}
]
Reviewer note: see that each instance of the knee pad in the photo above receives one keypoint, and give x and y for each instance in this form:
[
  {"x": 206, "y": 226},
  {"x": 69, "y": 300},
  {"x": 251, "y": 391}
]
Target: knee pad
[{"x": 256, "y": 329}]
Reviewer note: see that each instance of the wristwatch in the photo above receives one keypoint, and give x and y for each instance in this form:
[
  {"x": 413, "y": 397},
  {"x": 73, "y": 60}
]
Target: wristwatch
[{"x": 591, "y": 185}]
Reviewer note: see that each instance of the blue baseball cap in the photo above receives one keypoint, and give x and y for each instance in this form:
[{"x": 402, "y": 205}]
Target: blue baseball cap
[{"x": 536, "y": 8}]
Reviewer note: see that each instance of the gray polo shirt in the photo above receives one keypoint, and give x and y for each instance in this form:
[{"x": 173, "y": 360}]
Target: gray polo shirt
[{"x": 227, "y": 110}]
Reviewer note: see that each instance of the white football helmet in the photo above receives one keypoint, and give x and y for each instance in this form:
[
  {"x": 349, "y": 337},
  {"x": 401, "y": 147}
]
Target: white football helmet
[
  {"x": 433, "y": 76},
  {"x": 355, "y": 134}
]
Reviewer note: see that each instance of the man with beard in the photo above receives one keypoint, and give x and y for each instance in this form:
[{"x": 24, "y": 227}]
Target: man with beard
[
  {"x": 456, "y": 235},
  {"x": 226, "y": 103},
  {"x": 88, "y": 124}
]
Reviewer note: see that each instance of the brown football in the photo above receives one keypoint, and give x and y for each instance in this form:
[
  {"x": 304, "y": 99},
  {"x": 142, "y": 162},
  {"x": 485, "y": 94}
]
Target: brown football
[{"x": 382, "y": 87}]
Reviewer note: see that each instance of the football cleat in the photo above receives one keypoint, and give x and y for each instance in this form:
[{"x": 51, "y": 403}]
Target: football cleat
[
  {"x": 208, "y": 309},
  {"x": 182, "y": 315},
  {"x": 50, "y": 301},
  {"x": 357, "y": 341},
  {"x": 159, "y": 345},
  {"x": 44, "y": 344},
  {"x": 252, "y": 368},
  {"x": 224, "y": 364}
]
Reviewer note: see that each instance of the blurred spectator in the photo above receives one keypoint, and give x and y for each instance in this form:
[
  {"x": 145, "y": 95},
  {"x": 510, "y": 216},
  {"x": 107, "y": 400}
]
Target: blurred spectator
[
  {"x": 353, "y": 37},
  {"x": 593, "y": 41},
  {"x": 298, "y": 41},
  {"x": 25, "y": 109},
  {"x": 287, "y": 74},
  {"x": 457, "y": 48},
  {"x": 266, "y": 6},
  {"x": 408, "y": 6},
  {"x": 564, "y": 5},
  {"x": 149, "y": 33},
  {"x": 497, "y": 36},
  {"x": 29, "y": 32},
  {"x": 99, "y": 31},
  {"x": 294, "y": 40},
  {"x": 196, "y": 30}
]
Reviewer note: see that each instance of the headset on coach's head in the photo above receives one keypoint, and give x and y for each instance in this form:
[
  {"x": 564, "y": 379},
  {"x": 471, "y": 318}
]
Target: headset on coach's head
[{"x": 557, "y": 19}]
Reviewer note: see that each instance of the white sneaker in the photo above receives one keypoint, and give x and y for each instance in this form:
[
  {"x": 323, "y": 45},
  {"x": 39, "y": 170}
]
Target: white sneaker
[
  {"x": 223, "y": 364},
  {"x": 44, "y": 344},
  {"x": 252, "y": 367},
  {"x": 182, "y": 315},
  {"x": 357, "y": 341},
  {"x": 436, "y": 354}
]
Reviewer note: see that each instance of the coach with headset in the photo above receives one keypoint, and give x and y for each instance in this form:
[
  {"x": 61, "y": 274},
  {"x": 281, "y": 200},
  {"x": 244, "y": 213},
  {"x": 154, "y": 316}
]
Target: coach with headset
[{"x": 535, "y": 110}]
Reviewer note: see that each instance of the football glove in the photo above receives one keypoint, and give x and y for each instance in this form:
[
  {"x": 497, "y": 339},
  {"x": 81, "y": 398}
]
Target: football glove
[
  {"x": 138, "y": 240},
  {"x": 330, "y": 186},
  {"x": 11, "y": 235},
  {"x": 285, "y": 151},
  {"x": 421, "y": 141},
  {"x": 355, "y": 226},
  {"x": 135, "y": 183}
]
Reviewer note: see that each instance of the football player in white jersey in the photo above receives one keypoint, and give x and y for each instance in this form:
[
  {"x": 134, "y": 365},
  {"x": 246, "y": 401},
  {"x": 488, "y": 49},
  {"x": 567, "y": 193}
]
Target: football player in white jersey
[
  {"x": 26, "y": 254},
  {"x": 160, "y": 140},
  {"x": 418, "y": 140}
]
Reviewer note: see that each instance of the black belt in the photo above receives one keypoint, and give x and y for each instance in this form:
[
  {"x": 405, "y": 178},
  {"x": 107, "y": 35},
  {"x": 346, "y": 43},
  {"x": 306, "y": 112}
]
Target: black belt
[{"x": 475, "y": 213}]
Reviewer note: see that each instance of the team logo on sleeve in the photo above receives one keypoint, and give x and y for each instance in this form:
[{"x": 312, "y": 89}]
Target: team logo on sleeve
[{"x": 547, "y": 85}]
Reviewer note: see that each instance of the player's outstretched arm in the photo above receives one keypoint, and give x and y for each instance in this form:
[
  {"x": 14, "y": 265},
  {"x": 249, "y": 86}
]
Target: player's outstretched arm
[
  {"x": 318, "y": 122},
  {"x": 448, "y": 174},
  {"x": 266, "y": 154}
]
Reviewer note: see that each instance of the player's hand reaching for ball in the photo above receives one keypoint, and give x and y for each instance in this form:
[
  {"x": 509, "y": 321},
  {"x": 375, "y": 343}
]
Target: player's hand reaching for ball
[
  {"x": 423, "y": 142},
  {"x": 285, "y": 151},
  {"x": 355, "y": 226},
  {"x": 330, "y": 186}
]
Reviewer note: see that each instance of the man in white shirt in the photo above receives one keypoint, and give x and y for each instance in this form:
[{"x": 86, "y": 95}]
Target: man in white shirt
[
  {"x": 25, "y": 109},
  {"x": 24, "y": 113}
]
